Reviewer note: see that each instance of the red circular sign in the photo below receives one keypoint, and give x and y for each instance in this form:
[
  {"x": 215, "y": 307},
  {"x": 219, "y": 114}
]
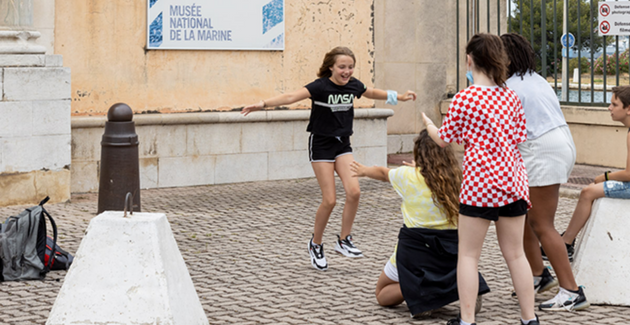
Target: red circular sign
[
  {"x": 604, "y": 27},
  {"x": 604, "y": 10}
]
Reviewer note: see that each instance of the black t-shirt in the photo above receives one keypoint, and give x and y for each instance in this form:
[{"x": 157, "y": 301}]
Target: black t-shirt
[{"x": 333, "y": 106}]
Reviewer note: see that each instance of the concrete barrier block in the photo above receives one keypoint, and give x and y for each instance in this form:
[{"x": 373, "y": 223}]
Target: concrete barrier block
[
  {"x": 51, "y": 117},
  {"x": 128, "y": 271},
  {"x": 38, "y": 152},
  {"x": 186, "y": 171},
  {"x": 601, "y": 256},
  {"x": 241, "y": 168},
  {"x": 289, "y": 164},
  {"x": 213, "y": 139},
  {"x": 36, "y": 83},
  {"x": 17, "y": 119},
  {"x": 267, "y": 137}
]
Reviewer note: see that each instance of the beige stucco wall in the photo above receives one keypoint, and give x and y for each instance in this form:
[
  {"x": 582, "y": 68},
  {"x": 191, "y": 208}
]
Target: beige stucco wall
[
  {"x": 103, "y": 42},
  {"x": 416, "y": 48}
]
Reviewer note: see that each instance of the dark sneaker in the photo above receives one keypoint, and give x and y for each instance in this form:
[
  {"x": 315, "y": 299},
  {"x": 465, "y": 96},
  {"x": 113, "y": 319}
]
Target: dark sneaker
[
  {"x": 566, "y": 300},
  {"x": 318, "y": 260},
  {"x": 534, "y": 322},
  {"x": 347, "y": 248},
  {"x": 547, "y": 281},
  {"x": 570, "y": 250}
]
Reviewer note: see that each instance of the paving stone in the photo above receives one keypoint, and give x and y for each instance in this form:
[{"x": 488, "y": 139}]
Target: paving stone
[{"x": 245, "y": 247}]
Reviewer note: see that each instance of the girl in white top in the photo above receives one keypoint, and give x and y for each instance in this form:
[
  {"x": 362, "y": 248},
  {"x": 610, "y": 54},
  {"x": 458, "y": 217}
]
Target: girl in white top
[{"x": 549, "y": 155}]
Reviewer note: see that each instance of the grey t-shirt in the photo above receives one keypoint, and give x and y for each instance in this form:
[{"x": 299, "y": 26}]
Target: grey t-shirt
[{"x": 540, "y": 102}]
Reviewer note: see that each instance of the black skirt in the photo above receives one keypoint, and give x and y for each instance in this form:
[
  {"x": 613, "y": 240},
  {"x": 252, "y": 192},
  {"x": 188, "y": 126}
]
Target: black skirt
[{"x": 426, "y": 260}]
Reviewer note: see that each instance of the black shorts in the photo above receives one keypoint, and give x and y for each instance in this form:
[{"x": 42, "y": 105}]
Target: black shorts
[
  {"x": 514, "y": 209},
  {"x": 327, "y": 149}
]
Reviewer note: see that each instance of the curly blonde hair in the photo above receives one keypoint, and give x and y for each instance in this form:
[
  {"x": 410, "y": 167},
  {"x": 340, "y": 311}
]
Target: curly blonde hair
[{"x": 441, "y": 172}]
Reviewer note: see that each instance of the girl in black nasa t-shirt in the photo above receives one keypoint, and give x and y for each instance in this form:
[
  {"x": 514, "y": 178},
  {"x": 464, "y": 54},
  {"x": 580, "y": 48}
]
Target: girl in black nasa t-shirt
[{"x": 330, "y": 125}]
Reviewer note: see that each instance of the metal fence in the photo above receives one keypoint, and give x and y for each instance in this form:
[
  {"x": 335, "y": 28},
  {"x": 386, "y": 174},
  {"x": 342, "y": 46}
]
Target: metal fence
[{"x": 601, "y": 62}]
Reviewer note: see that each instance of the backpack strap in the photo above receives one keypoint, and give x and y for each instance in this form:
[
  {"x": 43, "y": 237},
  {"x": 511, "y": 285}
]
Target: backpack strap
[
  {"x": 52, "y": 257},
  {"x": 44, "y": 201}
]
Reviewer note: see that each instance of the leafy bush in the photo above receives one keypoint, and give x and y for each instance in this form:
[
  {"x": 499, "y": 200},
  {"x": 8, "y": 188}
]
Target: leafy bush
[
  {"x": 584, "y": 65},
  {"x": 611, "y": 64}
]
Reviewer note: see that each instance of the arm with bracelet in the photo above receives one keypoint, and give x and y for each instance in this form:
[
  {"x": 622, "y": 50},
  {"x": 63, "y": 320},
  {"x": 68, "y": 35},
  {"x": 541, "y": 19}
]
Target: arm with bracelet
[{"x": 391, "y": 96}]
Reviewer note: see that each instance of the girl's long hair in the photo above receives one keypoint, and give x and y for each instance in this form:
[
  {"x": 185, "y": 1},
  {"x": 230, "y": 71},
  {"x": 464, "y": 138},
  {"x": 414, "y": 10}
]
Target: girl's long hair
[
  {"x": 441, "y": 172},
  {"x": 489, "y": 56},
  {"x": 330, "y": 58}
]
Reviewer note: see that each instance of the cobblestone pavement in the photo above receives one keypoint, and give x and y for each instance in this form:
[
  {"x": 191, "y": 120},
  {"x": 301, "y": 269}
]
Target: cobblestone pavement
[{"x": 245, "y": 247}]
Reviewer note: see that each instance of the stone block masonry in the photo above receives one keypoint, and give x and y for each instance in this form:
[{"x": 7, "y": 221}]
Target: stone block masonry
[
  {"x": 189, "y": 149},
  {"x": 35, "y": 130}
]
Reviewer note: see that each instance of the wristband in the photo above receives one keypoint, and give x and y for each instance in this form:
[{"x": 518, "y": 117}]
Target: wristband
[
  {"x": 392, "y": 97},
  {"x": 606, "y": 175}
]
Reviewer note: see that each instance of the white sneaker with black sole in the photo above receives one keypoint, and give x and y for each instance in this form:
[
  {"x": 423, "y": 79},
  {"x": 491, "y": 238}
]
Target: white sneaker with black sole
[
  {"x": 347, "y": 248},
  {"x": 318, "y": 260},
  {"x": 566, "y": 300}
]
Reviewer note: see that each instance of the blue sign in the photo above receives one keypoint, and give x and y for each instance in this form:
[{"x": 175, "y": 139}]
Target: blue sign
[
  {"x": 567, "y": 40},
  {"x": 215, "y": 24}
]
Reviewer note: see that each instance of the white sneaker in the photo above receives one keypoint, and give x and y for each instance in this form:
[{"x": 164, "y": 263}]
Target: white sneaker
[
  {"x": 318, "y": 260},
  {"x": 566, "y": 300},
  {"x": 347, "y": 248}
]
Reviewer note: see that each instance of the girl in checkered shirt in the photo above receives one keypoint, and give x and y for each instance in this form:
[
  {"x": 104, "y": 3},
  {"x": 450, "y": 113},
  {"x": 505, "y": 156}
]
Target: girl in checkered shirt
[{"x": 489, "y": 120}]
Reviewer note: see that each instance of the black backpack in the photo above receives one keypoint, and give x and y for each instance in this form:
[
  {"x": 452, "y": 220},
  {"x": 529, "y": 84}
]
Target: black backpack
[{"x": 23, "y": 245}]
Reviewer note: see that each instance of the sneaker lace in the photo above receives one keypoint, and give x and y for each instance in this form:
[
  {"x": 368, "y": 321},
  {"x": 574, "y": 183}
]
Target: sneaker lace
[{"x": 319, "y": 252}]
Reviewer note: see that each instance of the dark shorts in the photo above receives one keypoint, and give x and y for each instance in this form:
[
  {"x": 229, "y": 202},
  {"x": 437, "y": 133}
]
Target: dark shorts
[
  {"x": 327, "y": 149},
  {"x": 515, "y": 209}
]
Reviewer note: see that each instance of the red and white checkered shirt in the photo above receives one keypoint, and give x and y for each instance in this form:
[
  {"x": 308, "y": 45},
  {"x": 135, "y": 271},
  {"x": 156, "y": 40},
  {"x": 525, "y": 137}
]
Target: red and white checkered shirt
[{"x": 490, "y": 121}]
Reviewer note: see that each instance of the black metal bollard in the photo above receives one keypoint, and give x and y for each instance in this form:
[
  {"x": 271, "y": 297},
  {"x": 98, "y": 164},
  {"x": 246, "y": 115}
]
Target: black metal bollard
[{"x": 119, "y": 168}]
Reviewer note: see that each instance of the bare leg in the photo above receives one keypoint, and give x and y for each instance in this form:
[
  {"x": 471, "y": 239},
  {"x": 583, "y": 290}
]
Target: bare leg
[
  {"x": 583, "y": 210},
  {"x": 541, "y": 219},
  {"x": 353, "y": 193},
  {"x": 472, "y": 232},
  {"x": 324, "y": 171},
  {"x": 509, "y": 234},
  {"x": 532, "y": 249},
  {"x": 388, "y": 292}
]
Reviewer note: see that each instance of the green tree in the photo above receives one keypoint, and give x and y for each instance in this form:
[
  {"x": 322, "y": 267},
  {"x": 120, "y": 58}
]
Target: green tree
[{"x": 522, "y": 11}]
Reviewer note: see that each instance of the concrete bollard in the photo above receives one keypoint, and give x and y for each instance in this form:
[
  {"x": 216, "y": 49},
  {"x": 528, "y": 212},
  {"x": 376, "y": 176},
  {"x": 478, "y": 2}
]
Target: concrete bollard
[
  {"x": 128, "y": 270},
  {"x": 601, "y": 256}
]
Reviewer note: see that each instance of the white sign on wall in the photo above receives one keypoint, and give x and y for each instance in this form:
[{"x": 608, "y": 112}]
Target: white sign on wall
[
  {"x": 614, "y": 18},
  {"x": 215, "y": 24}
]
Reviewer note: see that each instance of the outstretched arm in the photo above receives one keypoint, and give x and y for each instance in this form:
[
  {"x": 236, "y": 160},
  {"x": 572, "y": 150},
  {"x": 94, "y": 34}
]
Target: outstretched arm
[
  {"x": 433, "y": 131},
  {"x": 283, "y": 99},
  {"x": 375, "y": 172},
  {"x": 374, "y": 93}
]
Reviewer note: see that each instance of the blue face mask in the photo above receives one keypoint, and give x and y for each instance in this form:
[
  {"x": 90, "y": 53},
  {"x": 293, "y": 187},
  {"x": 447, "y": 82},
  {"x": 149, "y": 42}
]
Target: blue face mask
[{"x": 469, "y": 76}]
